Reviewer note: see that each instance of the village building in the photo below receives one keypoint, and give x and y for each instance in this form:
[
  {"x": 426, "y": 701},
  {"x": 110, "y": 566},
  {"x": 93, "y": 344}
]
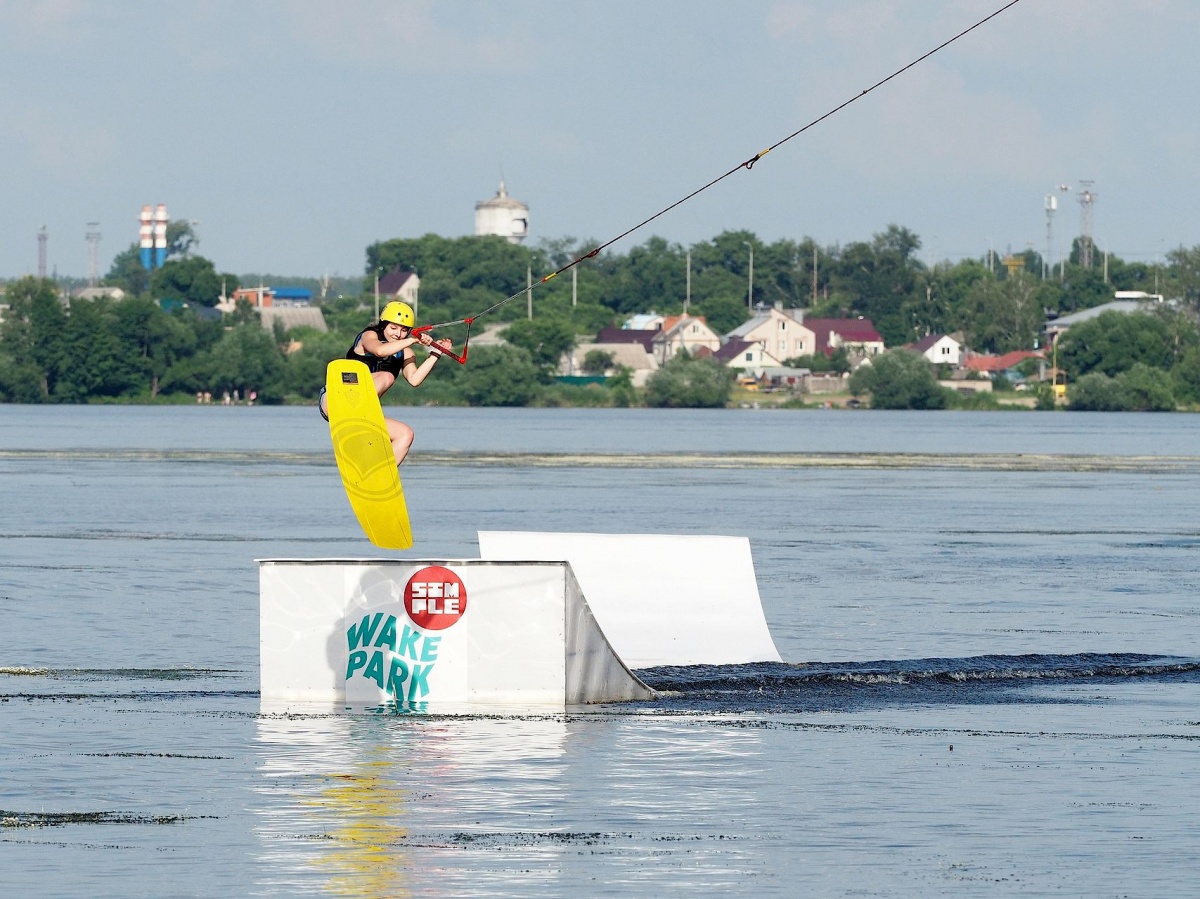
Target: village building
[
  {"x": 781, "y": 333},
  {"x": 856, "y": 335},
  {"x": 680, "y": 333},
  {"x": 940, "y": 349},
  {"x": 400, "y": 284}
]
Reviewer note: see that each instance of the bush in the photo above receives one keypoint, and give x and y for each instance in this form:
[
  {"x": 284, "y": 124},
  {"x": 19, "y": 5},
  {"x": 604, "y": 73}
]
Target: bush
[
  {"x": 1148, "y": 389},
  {"x": 1098, "y": 392},
  {"x": 687, "y": 383},
  {"x": 900, "y": 379}
]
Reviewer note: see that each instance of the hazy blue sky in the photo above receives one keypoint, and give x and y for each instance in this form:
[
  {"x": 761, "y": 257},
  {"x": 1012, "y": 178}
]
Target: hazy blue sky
[{"x": 298, "y": 132}]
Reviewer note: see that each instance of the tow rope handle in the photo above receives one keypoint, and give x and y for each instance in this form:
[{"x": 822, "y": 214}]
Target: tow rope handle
[{"x": 461, "y": 360}]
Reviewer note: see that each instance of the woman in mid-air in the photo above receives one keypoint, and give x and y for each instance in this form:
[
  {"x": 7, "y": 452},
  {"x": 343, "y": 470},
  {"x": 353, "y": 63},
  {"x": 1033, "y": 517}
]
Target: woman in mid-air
[{"x": 385, "y": 348}]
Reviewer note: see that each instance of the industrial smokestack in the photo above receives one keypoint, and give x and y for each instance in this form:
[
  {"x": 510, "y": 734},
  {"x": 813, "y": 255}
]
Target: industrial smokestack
[
  {"x": 160, "y": 235},
  {"x": 146, "y": 237}
]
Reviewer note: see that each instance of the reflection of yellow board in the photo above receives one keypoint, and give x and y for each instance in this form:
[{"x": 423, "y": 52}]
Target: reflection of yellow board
[{"x": 364, "y": 454}]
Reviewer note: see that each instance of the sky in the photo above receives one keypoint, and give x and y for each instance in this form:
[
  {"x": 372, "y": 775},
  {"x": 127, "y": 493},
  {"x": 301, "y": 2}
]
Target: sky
[{"x": 294, "y": 133}]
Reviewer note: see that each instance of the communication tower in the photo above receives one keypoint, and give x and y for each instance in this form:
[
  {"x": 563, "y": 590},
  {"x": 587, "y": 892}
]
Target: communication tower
[
  {"x": 93, "y": 239},
  {"x": 42, "y": 238},
  {"x": 1087, "y": 200},
  {"x": 1051, "y": 206}
]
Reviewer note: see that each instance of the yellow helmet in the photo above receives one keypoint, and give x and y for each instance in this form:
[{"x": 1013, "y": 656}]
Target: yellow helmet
[{"x": 399, "y": 314}]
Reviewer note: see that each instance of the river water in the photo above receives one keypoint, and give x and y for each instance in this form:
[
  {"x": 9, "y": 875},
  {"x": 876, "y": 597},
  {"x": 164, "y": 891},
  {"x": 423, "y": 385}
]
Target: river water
[{"x": 989, "y": 623}]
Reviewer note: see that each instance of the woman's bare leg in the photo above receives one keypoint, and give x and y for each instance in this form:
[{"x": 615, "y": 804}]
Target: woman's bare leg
[{"x": 402, "y": 438}]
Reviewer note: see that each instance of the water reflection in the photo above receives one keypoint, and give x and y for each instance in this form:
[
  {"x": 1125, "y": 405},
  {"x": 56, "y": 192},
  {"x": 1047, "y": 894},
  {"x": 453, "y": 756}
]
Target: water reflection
[{"x": 361, "y": 804}]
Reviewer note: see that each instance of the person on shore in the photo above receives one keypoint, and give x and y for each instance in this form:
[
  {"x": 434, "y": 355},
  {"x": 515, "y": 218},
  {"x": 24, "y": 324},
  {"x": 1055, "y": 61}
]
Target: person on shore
[{"x": 385, "y": 348}]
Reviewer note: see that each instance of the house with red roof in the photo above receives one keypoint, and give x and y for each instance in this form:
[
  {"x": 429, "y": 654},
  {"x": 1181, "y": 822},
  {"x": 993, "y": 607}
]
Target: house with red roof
[
  {"x": 857, "y": 335},
  {"x": 994, "y": 365}
]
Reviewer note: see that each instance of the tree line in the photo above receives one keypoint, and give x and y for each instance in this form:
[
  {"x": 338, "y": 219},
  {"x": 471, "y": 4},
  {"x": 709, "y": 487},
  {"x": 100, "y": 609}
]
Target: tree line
[{"x": 132, "y": 349}]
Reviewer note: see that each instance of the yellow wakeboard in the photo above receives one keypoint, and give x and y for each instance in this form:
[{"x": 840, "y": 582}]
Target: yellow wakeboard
[{"x": 364, "y": 454}]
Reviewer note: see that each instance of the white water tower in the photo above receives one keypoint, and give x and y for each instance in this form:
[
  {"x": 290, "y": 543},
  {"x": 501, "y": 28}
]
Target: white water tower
[{"x": 502, "y": 216}]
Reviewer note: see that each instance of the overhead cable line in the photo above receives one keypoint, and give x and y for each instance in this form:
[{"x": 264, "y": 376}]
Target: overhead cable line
[{"x": 747, "y": 165}]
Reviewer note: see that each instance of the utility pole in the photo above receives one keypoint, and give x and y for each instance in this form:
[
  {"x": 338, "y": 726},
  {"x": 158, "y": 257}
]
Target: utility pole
[
  {"x": 687, "y": 296},
  {"x": 814, "y": 299},
  {"x": 43, "y": 236},
  {"x": 1051, "y": 206},
  {"x": 529, "y": 290},
  {"x": 376, "y": 293},
  {"x": 750, "y": 287},
  {"x": 574, "y": 286}
]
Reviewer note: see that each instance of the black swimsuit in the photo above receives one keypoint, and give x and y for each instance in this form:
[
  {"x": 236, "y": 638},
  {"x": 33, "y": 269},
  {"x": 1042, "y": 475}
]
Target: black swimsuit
[{"x": 393, "y": 365}]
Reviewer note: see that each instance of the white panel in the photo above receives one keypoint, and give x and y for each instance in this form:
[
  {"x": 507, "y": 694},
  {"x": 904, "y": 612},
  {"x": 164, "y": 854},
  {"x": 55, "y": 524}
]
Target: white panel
[
  {"x": 659, "y": 599},
  {"x": 340, "y": 630},
  {"x": 517, "y": 635},
  {"x": 300, "y": 608}
]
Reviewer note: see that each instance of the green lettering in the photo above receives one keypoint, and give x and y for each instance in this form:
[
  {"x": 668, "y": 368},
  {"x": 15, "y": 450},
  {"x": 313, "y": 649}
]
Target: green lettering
[
  {"x": 387, "y": 636},
  {"x": 396, "y": 677},
  {"x": 429, "y": 649},
  {"x": 358, "y": 658},
  {"x": 362, "y": 634},
  {"x": 408, "y": 643},
  {"x": 375, "y": 668},
  {"x": 419, "y": 681}
]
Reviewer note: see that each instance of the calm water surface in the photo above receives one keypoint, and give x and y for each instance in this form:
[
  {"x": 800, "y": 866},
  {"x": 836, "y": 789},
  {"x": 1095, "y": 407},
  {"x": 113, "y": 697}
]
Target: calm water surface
[{"x": 991, "y": 685}]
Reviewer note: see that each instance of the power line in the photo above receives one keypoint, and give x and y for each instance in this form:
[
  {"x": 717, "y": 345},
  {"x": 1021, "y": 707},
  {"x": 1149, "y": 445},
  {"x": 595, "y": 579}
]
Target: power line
[{"x": 747, "y": 165}]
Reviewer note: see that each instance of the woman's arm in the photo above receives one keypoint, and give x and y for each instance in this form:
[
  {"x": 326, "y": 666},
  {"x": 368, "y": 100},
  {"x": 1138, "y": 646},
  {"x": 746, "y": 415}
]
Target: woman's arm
[
  {"x": 414, "y": 373},
  {"x": 383, "y": 348}
]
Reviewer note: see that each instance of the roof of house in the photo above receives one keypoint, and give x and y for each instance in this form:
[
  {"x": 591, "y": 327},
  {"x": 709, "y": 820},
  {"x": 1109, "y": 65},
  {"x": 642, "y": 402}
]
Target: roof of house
[
  {"x": 749, "y": 325},
  {"x": 928, "y": 342},
  {"x": 672, "y": 321},
  {"x": 1065, "y": 321},
  {"x": 733, "y": 347},
  {"x": 394, "y": 280},
  {"x": 628, "y": 335},
  {"x": 852, "y": 330},
  {"x": 984, "y": 362}
]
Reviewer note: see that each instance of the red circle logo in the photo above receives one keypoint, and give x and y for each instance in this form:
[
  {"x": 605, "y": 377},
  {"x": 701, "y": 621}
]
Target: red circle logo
[{"x": 435, "y": 598}]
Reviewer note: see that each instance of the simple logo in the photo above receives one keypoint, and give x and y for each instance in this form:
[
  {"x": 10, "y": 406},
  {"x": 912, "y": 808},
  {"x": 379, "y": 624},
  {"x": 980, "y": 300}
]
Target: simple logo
[{"x": 435, "y": 598}]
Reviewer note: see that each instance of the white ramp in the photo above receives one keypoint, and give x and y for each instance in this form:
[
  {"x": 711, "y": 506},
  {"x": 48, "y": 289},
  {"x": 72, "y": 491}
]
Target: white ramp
[
  {"x": 433, "y": 634},
  {"x": 660, "y": 599}
]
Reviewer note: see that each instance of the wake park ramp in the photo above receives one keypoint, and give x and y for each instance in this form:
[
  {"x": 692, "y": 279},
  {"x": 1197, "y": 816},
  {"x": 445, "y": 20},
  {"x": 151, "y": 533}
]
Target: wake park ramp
[{"x": 454, "y": 635}]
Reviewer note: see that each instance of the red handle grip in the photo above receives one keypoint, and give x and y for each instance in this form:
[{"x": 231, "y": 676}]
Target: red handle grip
[{"x": 461, "y": 360}]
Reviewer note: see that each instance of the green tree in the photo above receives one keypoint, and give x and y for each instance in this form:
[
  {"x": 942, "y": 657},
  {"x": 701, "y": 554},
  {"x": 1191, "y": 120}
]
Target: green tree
[
  {"x": 128, "y": 273},
  {"x": 1113, "y": 342},
  {"x": 1149, "y": 389},
  {"x": 899, "y": 379},
  {"x": 877, "y": 279},
  {"x": 151, "y": 338},
  {"x": 1000, "y": 316},
  {"x": 32, "y": 340},
  {"x": 245, "y": 359},
  {"x": 1183, "y": 276},
  {"x": 499, "y": 376},
  {"x": 545, "y": 338},
  {"x": 597, "y": 362},
  {"x": 1097, "y": 392},
  {"x": 192, "y": 279},
  {"x": 93, "y": 363},
  {"x": 1187, "y": 376},
  {"x": 688, "y": 383}
]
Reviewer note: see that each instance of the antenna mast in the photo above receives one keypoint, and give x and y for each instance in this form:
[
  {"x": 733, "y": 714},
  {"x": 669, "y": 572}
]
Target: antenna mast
[
  {"x": 43, "y": 236},
  {"x": 93, "y": 239},
  {"x": 1087, "y": 200}
]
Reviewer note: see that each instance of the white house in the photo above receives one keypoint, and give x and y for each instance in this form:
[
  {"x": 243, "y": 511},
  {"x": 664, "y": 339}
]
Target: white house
[
  {"x": 684, "y": 332},
  {"x": 751, "y": 356},
  {"x": 781, "y": 333},
  {"x": 940, "y": 349}
]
